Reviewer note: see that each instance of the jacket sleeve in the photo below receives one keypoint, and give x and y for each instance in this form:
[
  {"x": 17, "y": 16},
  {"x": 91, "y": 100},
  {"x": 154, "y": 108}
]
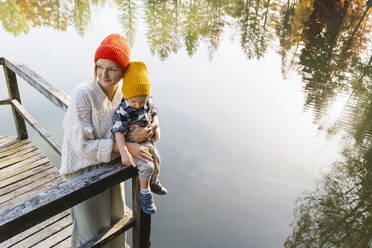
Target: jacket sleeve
[
  {"x": 79, "y": 130},
  {"x": 121, "y": 121},
  {"x": 154, "y": 112}
]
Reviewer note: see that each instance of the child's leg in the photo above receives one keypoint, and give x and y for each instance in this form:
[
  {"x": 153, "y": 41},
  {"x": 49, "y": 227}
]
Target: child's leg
[
  {"x": 145, "y": 170},
  {"x": 156, "y": 160},
  {"x": 155, "y": 185}
]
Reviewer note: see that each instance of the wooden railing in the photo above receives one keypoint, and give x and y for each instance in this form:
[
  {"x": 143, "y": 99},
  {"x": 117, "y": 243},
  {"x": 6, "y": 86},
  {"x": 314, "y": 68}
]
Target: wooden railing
[{"x": 21, "y": 216}]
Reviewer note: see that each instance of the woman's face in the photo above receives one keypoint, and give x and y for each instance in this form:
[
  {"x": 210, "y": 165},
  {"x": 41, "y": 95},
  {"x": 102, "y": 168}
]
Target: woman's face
[{"x": 108, "y": 72}]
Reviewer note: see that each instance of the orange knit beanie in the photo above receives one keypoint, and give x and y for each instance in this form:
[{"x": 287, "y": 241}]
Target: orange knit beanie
[{"x": 114, "y": 47}]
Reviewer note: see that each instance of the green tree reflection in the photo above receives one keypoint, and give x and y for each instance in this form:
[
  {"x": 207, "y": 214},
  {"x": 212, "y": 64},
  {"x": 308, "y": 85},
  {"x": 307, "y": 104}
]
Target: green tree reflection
[
  {"x": 326, "y": 41},
  {"x": 128, "y": 18},
  {"x": 213, "y": 24},
  {"x": 162, "y": 27},
  {"x": 81, "y": 16},
  {"x": 254, "y": 19},
  {"x": 171, "y": 24},
  {"x": 338, "y": 213}
]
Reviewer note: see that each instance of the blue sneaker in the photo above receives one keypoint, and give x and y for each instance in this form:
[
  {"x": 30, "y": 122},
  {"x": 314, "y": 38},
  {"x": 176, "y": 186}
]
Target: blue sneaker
[{"x": 147, "y": 203}]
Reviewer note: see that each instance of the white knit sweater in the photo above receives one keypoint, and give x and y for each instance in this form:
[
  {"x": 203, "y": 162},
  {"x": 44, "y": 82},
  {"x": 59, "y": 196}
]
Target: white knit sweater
[{"x": 87, "y": 128}]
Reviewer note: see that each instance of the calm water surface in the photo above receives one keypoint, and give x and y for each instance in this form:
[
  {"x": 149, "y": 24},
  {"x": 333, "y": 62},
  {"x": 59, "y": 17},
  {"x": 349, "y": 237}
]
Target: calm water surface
[{"x": 265, "y": 109}]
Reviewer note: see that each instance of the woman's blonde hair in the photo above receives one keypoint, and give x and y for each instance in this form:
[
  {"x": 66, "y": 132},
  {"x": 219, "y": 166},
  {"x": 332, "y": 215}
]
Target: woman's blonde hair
[{"x": 95, "y": 74}]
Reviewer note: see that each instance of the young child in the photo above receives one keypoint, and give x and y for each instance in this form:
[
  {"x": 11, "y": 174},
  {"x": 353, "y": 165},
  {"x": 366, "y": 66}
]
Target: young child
[{"x": 136, "y": 108}]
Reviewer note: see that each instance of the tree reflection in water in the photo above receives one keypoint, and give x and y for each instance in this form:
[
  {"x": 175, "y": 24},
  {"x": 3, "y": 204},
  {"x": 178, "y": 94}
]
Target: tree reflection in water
[
  {"x": 330, "y": 51},
  {"x": 326, "y": 41},
  {"x": 338, "y": 212}
]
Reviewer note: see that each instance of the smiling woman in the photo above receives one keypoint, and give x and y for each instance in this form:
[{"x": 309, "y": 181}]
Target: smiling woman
[{"x": 109, "y": 74}]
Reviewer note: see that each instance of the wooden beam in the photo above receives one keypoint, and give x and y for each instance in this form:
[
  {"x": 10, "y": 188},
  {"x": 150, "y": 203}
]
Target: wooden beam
[
  {"x": 21, "y": 216},
  {"x": 142, "y": 229},
  {"x": 109, "y": 233},
  {"x": 43, "y": 133},
  {"x": 5, "y": 101},
  {"x": 11, "y": 81},
  {"x": 58, "y": 97}
]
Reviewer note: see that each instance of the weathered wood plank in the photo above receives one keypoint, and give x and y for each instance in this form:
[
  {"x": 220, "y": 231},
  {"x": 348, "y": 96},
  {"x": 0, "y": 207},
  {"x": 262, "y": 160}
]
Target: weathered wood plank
[
  {"x": 63, "y": 244},
  {"x": 27, "y": 188},
  {"x": 21, "y": 151},
  {"x": 31, "y": 241},
  {"x": 58, "y": 97},
  {"x": 4, "y": 151},
  {"x": 28, "y": 181},
  {"x": 35, "y": 229},
  {"x": 18, "y": 157},
  {"x": 109, "y": 233},
  {"x": 38, "y": 167},
  {"x": 29, "y": 194},
  {"x": 5, "y": 101},
  {"x": 6, "y": 141},
  {"x": 22, "y": 167},
  {"x": 56, "y": 238},
  {"x": 11, "y": 81},
  {"x": 142, "y": 229},
  {"x": 14, "y": 149},
  {"x": 21, "y": 216},
  {"x": 43, "y": 133}
]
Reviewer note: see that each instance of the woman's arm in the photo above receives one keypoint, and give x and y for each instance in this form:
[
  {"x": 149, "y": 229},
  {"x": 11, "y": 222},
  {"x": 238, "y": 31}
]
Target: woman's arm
[{"x": 79, "y": 129}]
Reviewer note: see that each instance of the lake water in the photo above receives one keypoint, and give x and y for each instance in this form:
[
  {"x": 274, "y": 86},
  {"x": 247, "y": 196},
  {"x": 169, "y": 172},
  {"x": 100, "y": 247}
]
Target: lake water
[{"x": 265, "y": 109}]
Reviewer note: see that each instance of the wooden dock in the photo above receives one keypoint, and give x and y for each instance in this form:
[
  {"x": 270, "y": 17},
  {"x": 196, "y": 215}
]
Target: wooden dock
[
  {"x": 25, "y": 171},
  {"x": 34, "y": 199}
]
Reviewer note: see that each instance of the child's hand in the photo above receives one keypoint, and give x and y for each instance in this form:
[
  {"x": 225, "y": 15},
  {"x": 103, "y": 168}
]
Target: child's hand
[{"x": 127, "y": 159}]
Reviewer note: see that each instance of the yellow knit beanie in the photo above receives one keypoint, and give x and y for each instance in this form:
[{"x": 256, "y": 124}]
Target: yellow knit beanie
[{"x": 136, "y": 81}]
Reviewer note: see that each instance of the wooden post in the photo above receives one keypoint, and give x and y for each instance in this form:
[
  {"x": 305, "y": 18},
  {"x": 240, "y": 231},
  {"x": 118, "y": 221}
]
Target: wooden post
[
  {"x": 11, "y": 81},
  {"x": 142, "y": 227}
]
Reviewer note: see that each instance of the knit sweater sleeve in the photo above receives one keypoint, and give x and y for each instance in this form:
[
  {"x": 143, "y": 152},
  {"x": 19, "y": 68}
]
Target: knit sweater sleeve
[{"x": 79, "y": 130}]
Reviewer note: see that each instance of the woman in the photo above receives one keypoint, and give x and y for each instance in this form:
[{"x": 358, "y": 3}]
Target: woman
[{"x": 88, "y": 142}]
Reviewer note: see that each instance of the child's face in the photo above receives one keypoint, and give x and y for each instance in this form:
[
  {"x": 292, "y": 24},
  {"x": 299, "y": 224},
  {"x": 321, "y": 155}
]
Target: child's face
[{"x": 137, "y": 102}]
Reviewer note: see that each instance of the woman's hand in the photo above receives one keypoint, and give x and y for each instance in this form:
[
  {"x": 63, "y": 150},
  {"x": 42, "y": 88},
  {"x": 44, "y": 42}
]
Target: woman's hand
[
  {"x": 139, "y": 151},
  {"x": 140, "y": 134}
]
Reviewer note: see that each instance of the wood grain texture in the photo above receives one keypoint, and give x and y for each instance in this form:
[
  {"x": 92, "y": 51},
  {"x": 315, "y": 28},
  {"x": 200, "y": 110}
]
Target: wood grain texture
[
  {"x": 8, "y": 149},
  {"x": 12, "y": 85},
  {"x": 142, "y": 228},
  {"x": 27, "y": 182},
  {"x": 5, "y": 101},
  {"x": 7, "y": 174},
  {"x": 43, "y": 133},
  {"x": 58, "y": 97},
  {"x": 34, "y": 200},
  {"x": 18, "y": 217},
  {"x": 35, "y": 229}
]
